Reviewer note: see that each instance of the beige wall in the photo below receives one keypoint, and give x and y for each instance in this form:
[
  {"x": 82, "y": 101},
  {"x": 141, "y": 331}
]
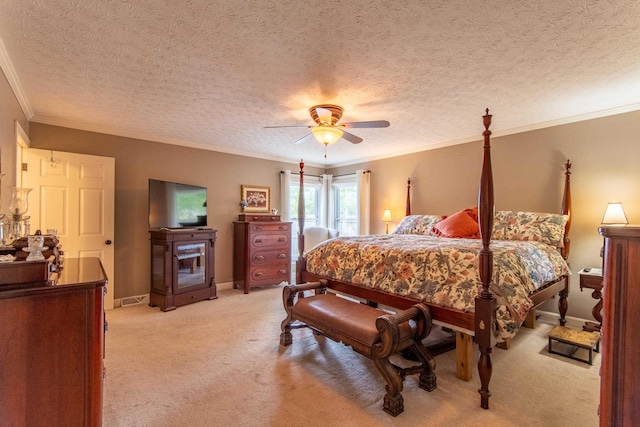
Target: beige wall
[
  {"x": 10, "y": 112},
  {"x": 528, "y": 175},
  {"x": 136, "y": 162}
]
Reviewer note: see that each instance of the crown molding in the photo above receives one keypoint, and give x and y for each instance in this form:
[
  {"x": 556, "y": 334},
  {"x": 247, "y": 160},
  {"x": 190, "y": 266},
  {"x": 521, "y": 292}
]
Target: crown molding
[
  {"x": 14, "y": 81},
  {"x": 495, "y": 134}
]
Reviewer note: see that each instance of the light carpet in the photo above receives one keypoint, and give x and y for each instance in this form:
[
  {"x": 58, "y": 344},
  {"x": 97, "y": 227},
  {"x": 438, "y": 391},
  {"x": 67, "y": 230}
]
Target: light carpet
[{"x": 219, "y": 363}]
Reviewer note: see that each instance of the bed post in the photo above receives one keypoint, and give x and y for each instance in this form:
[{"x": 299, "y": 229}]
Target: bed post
[
  {"x": 300, "y": 261},
  {"x": 485, "y": 304},
  {"x": 566, "y": 210},
  {"x": 408, "y": 208}
]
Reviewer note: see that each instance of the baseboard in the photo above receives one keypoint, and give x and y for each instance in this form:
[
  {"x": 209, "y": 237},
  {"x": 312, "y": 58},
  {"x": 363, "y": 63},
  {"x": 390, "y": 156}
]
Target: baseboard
[
  {"x": 224, "y": 285},
  {"x": 572, "y": 322},
  {"x": 144, "y": 299}
]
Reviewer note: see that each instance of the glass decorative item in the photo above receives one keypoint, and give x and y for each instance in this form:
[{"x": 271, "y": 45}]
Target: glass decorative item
[
  {"x": 35, "y": 246},
  {"x": 19, "y": 201},
  {"x": 18, "y": 206}
]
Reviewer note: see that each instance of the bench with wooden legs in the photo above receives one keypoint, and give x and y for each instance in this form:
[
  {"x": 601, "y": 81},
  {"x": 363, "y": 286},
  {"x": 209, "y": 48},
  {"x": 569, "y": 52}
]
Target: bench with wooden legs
[{"x": 369, "y": 331}]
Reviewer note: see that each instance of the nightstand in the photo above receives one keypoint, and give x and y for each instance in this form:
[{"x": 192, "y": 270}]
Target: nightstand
[{"x": 591, "y": 278}]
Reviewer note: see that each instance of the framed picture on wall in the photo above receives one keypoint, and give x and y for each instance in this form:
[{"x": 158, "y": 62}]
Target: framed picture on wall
[{"x": 258, "y": 198}]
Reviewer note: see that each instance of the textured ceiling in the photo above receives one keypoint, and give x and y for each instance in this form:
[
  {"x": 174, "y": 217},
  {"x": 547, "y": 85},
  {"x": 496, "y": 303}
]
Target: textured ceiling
[{"x": 212, "y": 74}]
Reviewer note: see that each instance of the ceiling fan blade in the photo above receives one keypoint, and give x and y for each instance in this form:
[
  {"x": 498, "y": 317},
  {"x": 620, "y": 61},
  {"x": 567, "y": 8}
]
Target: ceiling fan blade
[
  {"x": 324, "y": 115},
  {"x": 305, "y": 138},
  {"x": 351, "y": 138},
  {"x": 369, "y": 124}
]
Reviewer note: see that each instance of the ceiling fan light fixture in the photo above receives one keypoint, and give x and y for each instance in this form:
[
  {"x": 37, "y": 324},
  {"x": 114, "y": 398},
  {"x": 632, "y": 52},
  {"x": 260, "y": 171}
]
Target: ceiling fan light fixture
[{"x": 326, "y": 134}]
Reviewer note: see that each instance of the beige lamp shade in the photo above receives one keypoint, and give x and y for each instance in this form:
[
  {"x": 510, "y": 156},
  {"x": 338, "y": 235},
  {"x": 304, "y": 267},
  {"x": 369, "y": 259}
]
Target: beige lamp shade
[
  {"x": 614, "y": 215},
  {"x": 326, "y": 134},
  {"x": 386, "y": 217}
]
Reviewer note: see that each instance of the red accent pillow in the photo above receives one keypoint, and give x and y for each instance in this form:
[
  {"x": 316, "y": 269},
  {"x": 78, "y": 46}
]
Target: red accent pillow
[{"x": 463, "y": 224}]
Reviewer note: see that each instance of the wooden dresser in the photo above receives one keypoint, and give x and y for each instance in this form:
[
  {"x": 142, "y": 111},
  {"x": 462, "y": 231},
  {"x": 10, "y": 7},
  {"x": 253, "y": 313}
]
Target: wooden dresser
[
  {"x": 261, "y": 251},
  {"x": 620, "y": 372},
  {"x": 52, "y": 346}
]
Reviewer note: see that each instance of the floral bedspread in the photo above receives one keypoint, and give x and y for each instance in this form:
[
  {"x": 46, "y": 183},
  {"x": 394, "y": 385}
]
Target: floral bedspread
[{"x": 442, "y": 271}]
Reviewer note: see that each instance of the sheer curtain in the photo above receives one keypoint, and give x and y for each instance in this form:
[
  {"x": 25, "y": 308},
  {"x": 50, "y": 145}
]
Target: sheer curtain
[
  {"x": 327, "y": 214},
  {"x": 285, "y": 192},
  {"x": 363, "y": 178}
]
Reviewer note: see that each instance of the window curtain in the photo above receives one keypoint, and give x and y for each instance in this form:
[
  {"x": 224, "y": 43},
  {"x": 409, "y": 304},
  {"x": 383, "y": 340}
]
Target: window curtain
[
  {"x": 363, "y": 178},
  {"x": 327, "y": 214},
  {"x": 285, "y": 192}
]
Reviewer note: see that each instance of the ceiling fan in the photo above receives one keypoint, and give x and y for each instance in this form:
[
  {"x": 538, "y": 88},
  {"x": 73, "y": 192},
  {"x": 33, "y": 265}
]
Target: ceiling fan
[{"x": 327, "y": 129}]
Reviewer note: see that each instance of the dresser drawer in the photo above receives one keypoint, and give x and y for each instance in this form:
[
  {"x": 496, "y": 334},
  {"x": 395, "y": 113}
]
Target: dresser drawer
[
  {"x": 262, "y": 227},
  {"x": 270, "y": 274},
  {"x": 590, "y": 281},
  {"x": 262, "y": 257},
  {"x": 275, "y": 240},
  {"x": 258, "y": 218}
]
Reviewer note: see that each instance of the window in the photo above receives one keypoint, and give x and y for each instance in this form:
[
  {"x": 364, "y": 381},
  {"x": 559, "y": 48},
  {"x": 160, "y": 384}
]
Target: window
[
  {"x": 312, "y": 187},
  {"x": 340, "y": 202},
  {"x": 345, "y": 202}
]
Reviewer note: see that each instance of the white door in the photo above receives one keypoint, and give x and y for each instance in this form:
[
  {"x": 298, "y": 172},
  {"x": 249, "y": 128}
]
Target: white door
[{"x": 74, "y": 193}]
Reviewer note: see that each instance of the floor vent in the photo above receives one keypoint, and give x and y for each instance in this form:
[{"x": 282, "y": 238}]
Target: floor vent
[{"x": 140, "y": 299}]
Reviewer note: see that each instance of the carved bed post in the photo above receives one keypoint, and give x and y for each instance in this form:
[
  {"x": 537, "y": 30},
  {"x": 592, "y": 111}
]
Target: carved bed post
[
  {"x": 408, "y": 208},
  {"x": 300, "y": 261},
  {"x": 485, "y": 304},
  {"x": 566, "y": 210}
]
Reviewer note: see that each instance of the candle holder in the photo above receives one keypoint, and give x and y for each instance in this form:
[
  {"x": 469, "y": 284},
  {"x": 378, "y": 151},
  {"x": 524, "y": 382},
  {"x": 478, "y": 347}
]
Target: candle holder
[{"x": 19, "y": 223}]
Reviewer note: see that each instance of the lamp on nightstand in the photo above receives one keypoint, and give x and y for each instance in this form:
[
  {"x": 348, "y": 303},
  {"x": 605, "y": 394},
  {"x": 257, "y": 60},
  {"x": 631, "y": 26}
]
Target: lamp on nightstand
[
  {"x": 613, "y": 215},
  {"x": 386, "y": 217}
]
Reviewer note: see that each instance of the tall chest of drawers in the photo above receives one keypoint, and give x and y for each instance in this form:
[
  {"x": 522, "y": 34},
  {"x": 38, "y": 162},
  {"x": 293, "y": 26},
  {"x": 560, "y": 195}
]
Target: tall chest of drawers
[
  {"x": 261, "y": 251},
  {"x": 620, "y": 366}
]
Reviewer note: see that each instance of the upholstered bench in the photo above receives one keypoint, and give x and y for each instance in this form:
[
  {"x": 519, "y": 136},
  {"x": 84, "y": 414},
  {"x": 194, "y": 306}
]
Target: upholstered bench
[{"x": 369, "y": 331}]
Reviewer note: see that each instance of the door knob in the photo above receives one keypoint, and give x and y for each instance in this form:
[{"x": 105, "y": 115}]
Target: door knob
[{"x": 107, "y": 242}]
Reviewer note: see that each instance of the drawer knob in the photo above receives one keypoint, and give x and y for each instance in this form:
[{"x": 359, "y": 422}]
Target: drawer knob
[
  {"x": 282, "y": 271},
  {"x": 259, "y": 257},
  {"x": 259, "y": 274},
  {"x": 258, "y": 240},
  {"x": 281, "y": 239},
  {"x": 259, "y": 227},
  {"x": 281, "y": 256}
]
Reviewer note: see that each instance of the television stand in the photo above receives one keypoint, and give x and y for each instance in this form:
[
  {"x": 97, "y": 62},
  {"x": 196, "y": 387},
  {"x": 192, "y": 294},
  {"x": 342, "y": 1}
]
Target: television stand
[{"x": 182, "y": 266}]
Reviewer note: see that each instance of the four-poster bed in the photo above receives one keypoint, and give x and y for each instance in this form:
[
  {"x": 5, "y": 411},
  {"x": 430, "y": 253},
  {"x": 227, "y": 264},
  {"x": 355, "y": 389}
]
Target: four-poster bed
[{"x": 479, "y": 318}]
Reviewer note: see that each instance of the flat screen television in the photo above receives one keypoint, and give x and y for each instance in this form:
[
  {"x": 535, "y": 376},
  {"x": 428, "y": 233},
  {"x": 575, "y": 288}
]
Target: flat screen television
[{"x": 175, "y": 205}]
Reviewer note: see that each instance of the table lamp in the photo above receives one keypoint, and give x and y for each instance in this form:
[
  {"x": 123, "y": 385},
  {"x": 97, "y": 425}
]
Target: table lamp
[
  {"x": 613, "y": 215},
  {"x": 386, "y": 217}
]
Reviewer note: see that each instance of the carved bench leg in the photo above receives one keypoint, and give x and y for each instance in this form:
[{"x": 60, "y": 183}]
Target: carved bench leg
[
  {"x": 427, "y": 380},
  {"x": 285, "y": 336},
  {"x": 289, "y": 293},
  {"x": 393, "y": 401},
  {"x": 288, "y": 296}
]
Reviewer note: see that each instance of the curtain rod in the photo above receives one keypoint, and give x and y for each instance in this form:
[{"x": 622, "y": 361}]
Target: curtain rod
[{"x": 336, "y": 176}]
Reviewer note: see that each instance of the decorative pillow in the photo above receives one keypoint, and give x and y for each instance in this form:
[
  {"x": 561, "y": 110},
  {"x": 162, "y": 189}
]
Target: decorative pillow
[
  {"x": 537, "y": 226},
  {"x": 417, "y": 224},
  {"x": 463, "y": 224}
]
